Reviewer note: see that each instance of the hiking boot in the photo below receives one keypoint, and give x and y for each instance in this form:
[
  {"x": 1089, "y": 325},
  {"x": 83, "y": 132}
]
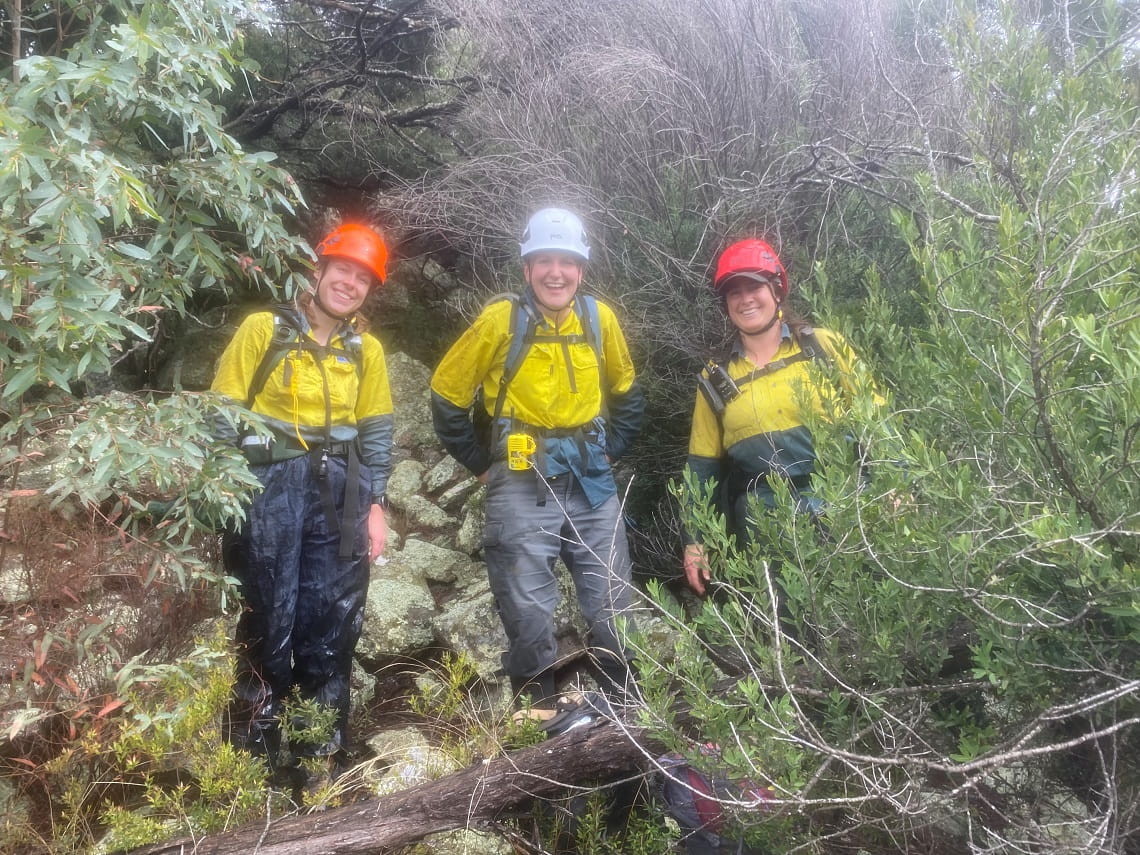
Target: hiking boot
[
  {"x": 313, "y": 782},
  {"x": 577, "y": 710}
]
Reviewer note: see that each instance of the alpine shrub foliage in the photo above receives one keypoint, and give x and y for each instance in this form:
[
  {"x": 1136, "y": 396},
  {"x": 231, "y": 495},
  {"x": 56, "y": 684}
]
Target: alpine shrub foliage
[
  {"x": 122, "y": 202},
  {"x": 954, "y": 649}
]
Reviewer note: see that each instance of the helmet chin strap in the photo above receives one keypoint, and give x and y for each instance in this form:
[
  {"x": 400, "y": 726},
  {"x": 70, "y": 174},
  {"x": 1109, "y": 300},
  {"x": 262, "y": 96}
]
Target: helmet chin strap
[
  {"x": 316, "y": 292},
  {"x": 777, "y": 315},
  {"x": 324, "y": 309}
]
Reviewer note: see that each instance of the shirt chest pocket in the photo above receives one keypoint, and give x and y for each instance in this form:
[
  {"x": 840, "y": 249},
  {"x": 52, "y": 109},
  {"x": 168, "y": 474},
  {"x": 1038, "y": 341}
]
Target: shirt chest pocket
[
  {"x": 571, "y": 365},
  {"x": 344, "y": 384},
  {"x": 584, "y": 361}
]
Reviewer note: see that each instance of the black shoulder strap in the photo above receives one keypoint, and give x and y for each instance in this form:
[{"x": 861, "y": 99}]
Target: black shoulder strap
[
  {"x": 715, "y": 400},
  {"x": 354, "y": 350},
  {"x": 810, "y": 344},
  {"x": 810, "y": 348},
  {"x": 286, "y": 336}
]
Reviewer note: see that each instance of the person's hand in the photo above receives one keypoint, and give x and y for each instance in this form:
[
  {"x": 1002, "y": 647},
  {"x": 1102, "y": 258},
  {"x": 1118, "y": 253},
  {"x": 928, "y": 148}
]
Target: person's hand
[
  {"x": 377, "y": 532},
  {"x": 899, "y": 500},
  {"x": 696, "y": 567},
  {"x": 484, "y": 478}
]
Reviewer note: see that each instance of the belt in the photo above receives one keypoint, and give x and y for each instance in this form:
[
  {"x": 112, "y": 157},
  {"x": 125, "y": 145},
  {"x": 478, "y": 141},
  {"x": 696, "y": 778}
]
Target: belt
[
  {"x": 586, "y": 431},
  {"x": 258, "y": 450}
]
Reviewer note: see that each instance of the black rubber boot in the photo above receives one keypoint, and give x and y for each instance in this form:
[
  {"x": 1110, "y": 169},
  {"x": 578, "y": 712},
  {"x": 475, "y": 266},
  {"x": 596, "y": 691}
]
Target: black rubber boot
[
  {"x": 539, "y": 689},
  {"x": 612, "y": 674},
  {"x": 261, "y": 739}
]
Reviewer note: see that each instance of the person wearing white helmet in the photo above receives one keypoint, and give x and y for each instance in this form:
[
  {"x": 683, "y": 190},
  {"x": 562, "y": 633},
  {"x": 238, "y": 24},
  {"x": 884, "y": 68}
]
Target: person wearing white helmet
[{"x": 564, "y": 403}]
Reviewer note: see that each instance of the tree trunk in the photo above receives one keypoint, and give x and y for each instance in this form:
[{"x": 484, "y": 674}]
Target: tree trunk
[{"x": 484, "y": 791}]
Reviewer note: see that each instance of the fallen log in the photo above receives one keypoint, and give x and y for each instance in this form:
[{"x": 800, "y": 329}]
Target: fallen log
[{"x": 485, "y": 791}]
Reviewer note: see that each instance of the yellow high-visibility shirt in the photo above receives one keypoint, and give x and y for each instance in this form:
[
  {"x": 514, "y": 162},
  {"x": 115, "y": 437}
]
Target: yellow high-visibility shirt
[
  {"x": 548, "y": 391},
  {"x": 294, "y": 396},
  {"x": 763, "y": 430}
]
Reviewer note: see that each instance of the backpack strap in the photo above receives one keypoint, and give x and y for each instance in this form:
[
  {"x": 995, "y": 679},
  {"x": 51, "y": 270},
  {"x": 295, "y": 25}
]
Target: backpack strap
[
  {"x": 586, "y": 308},
  {"x": 717, "y": 386},
  {"x": 772, "y": 367},
  {"x": 718, "y": 394},
  {"x": 810, "y": 344},
  {"x": 287, "y": 336},
  {"x": 523, "y": 326}
]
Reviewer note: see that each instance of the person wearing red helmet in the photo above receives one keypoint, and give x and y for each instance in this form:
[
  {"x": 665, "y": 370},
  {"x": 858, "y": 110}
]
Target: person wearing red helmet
[
  {"x": 749, "y": 421},
  {"x": 319, "y": 382}
]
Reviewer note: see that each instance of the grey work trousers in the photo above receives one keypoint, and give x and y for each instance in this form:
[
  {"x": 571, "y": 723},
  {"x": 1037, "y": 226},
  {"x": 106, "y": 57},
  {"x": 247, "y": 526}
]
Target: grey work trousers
[{"x": 521, "y": 542}]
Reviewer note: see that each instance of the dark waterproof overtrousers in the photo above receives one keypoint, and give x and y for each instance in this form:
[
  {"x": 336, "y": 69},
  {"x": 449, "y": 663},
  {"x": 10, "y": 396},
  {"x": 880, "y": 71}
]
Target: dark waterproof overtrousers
[{"x": 303, "y": 604}]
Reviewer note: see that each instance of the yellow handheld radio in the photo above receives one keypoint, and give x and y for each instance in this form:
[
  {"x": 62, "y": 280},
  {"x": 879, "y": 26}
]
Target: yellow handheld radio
[{"x": 520, "y": 446}]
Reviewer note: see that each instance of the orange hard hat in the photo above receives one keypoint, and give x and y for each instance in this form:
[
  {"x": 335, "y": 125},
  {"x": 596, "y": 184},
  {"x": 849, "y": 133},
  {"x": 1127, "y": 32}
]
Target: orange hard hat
[{"x": 357, "y": 243}]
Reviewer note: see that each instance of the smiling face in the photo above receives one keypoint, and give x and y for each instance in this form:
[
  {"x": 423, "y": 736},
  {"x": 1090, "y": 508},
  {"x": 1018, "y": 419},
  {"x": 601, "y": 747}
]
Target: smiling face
[
  {"x": 342, "y": 287},
  {"x": 751, "y": 304},
  {"x": 554, "y": 277}
]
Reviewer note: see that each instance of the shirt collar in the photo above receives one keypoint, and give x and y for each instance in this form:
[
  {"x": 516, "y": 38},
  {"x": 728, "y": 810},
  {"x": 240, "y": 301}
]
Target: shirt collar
[
  {"x": 530, "y": 304},
  {"x": 343, "y": 329},
  {"x": 738, "y": 346}
]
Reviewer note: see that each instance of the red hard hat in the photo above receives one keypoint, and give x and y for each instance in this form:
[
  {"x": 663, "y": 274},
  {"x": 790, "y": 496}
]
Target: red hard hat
[
  {"x": 750, "y": 255},
  {"x": 356, "y": 243}
]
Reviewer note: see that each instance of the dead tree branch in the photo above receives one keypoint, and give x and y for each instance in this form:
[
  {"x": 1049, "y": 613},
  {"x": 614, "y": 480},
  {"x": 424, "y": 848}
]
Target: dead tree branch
[{"x": 473, "y": 798}]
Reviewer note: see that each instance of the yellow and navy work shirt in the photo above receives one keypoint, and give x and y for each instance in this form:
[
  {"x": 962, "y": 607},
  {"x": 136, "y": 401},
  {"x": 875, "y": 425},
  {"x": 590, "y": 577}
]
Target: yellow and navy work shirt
[
  {"x": 762, "y": 432},
  {"x": 558, "y": 388},
  {"x": 315, "y": 394}
]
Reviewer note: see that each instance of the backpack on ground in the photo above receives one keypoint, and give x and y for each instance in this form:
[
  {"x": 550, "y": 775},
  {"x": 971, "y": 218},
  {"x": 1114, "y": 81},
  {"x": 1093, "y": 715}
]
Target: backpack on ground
[{"x": 694, "y": 798}]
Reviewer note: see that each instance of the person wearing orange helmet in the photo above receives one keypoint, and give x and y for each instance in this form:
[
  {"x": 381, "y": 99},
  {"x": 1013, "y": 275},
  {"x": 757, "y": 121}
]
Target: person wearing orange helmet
[
  {"x": 749, "y": 421},
  {"x": 319, "y": 382}
]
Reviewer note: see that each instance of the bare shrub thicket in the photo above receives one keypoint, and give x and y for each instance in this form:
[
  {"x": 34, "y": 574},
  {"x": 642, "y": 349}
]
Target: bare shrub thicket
[
  {"x": 673, "y": 127},
  {"x": 956, "y": 656},
  {"x": 350, "y": 93}
]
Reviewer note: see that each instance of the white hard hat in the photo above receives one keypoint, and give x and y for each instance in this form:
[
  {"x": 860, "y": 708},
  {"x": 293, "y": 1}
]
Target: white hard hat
[{"x": 555, "y": 229}]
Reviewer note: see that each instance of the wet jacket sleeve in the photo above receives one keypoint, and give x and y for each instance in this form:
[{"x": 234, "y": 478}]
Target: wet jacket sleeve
[
  {"x": 237, "y": 366},
  {"x": 626, "y": 416},
  {"x": 625, "y": 399},
  {"x": 374, "y": 422},
  {"x": 456, "y": 430},
  {"x": 457, "y": 378},
  {"x": 375, "y": 435}
]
